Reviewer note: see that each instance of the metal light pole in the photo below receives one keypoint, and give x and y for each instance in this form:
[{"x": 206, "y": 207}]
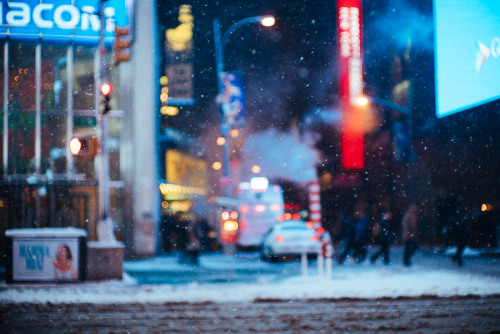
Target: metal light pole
[
  {"x": 105, "y": 228},
  {"x": 219, "y": 58},
  {"x": 409, "y": 119}
]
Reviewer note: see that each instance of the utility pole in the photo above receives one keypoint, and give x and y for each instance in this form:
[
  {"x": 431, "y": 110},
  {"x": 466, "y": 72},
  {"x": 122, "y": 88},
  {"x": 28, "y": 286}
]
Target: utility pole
[{"x": 105, "y": 227}]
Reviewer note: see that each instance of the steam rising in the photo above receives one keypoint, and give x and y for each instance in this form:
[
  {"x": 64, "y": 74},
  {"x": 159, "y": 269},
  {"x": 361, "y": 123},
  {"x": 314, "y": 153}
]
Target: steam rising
[
  {"x": 287, "y": 156},
  {"x": 403, "y": 23}
]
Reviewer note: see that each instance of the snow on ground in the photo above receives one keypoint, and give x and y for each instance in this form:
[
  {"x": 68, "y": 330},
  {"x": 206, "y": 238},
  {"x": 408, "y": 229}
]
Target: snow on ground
[{"x": 346, "y": 282}]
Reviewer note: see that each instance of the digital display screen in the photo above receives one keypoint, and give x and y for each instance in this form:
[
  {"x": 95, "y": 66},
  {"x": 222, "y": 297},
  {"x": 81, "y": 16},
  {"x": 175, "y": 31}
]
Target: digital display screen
[{"x": 467, "y": 54}]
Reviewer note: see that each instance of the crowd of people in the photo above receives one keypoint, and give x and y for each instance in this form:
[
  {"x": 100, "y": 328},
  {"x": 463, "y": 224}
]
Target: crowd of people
[
  {"x": 353, "y": 233},
  {"x": 358, "y": 230}
]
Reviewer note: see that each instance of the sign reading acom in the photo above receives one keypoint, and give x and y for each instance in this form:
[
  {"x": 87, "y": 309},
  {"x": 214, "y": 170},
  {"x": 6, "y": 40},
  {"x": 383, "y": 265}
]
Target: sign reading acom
[{"x": 60, "y": 20}]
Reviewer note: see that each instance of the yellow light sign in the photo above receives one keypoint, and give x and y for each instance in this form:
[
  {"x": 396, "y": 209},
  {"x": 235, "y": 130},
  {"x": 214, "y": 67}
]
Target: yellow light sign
[
  {"x": 169, "y": 110},
  {"x": 180, "y": 37},
  {"x": 185, "y": 170}
]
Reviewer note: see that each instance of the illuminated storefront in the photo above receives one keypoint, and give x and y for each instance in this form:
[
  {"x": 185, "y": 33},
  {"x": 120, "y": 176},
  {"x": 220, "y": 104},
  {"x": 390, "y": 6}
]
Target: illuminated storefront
[{"x": 48, "y": 95}]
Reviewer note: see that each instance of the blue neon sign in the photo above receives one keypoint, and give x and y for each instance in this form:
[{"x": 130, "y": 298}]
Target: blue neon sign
[{"x": 60, "y": 20}]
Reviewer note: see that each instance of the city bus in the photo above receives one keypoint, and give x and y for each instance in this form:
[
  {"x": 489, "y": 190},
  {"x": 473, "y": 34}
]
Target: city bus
[{"x": 261, "y": 205}]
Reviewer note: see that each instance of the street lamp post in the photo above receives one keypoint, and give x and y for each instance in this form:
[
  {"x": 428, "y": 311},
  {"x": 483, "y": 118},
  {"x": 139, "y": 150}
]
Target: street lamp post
[
  {"x": 364, "y": 100},
  {"x": 219, "y": 58},
  {"x": 105, "y": 224}
]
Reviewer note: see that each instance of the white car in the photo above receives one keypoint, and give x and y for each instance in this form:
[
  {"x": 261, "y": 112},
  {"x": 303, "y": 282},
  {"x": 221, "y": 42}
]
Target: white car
[{"x": 293, "y": 238}]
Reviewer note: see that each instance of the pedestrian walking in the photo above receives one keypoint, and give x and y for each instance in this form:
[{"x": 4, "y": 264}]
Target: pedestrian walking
[
  {"x": 356, "y": 234},
  {"x": 410, "y": 229},
  {"x": 347, "y": 239},
  {"x": 382, "y": 234},
  {"x": 193, "y": 244},
  {"x": 458, "y": 229},
  {"x": 361, "y": 237}
]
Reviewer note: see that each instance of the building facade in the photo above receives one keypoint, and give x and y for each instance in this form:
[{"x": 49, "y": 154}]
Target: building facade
[{"x": 49, "y": 93}]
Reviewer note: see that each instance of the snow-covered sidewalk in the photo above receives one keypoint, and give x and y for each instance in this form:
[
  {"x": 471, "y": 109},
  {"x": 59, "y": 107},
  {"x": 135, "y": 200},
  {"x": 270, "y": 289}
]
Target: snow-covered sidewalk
[{"x": 348, "y": 281}]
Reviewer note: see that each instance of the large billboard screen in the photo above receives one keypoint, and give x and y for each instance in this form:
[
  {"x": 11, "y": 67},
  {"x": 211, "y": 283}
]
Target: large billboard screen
[{"x": 467, "y": 54}]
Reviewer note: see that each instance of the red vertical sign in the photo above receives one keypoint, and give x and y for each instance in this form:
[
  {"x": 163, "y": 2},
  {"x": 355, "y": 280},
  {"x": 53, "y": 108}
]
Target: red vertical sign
[{"x": 351, "y": 83}]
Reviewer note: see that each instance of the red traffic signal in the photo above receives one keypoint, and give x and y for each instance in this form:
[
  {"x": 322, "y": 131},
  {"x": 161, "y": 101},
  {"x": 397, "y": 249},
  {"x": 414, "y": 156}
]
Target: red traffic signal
[
  {"x": 105, "y": 97},
  {"x": 106, "y": 88}
]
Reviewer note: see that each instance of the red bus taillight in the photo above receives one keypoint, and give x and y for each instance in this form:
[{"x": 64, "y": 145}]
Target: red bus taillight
[{"x": 279, "y": 238}]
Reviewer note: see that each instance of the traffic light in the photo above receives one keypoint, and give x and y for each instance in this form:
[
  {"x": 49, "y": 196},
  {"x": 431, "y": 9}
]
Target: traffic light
[
  {"x": 83, "y": 146},
  {"x": 105, "y": 97},
  {"x": 121, "y": 45},
  {"x": 228, "y": 226}
]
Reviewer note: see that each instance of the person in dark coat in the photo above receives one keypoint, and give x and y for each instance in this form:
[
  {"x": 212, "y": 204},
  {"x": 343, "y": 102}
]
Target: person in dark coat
[
  {"x": 409, "y": 225},
  {"x": 383, "y": 238},
  {"x": 347, "y": 236},
  {"x": 458, "y": 229},
  {"x": 361, "y": 238},
  {"x": 356, "y": 234},
  {"x": 193, "y": 245}
]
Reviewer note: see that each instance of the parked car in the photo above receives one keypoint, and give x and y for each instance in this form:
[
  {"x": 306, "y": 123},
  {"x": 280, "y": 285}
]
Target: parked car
[{"x": 292, "y": 238}]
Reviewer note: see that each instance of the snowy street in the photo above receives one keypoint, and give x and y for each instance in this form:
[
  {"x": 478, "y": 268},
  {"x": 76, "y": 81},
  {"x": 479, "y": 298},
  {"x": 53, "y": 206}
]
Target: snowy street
[
  {"x": 409, "y": 315},
  {"x": 243, "y": 294}
]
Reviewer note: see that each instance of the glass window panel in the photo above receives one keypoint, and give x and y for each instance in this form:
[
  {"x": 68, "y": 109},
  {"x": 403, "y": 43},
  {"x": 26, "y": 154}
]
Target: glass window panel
[
  {"x": 54, "y": 78},
  {"x": 54, "y": 108},
  {"x": 83, "y": 71},
  {"x": 22, "y": 92}
]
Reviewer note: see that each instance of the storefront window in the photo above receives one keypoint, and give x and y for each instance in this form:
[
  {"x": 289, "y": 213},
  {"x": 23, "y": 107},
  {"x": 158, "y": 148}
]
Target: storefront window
[
  {"x": 54, "y": 108},
  {"x": 83, "y": 72},
  {"x": 22, "y": 92}
]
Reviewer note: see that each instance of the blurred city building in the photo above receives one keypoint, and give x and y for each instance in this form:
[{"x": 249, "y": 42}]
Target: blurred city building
[{"x": 164, "y": 121}]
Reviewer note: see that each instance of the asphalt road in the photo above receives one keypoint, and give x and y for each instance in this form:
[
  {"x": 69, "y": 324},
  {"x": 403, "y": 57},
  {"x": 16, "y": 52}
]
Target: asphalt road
[
  {"x": 248, "y": 267},
  {"x": 427, "y": 314}
]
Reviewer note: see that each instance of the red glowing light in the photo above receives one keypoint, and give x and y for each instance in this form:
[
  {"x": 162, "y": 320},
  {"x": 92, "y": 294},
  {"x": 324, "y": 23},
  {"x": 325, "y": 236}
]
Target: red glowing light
[
  {"x": 352, "y": 150},
  {"x": 351, "y": 83},
  {"x": 244, "y": 209},
  {"x": 309, "y": 224},
  {"x": 315, "y": 237},
  {"x": 106, "y": 88},
  {"x": 321, "y": 230},
  {"x": 280, "y": 238}
]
